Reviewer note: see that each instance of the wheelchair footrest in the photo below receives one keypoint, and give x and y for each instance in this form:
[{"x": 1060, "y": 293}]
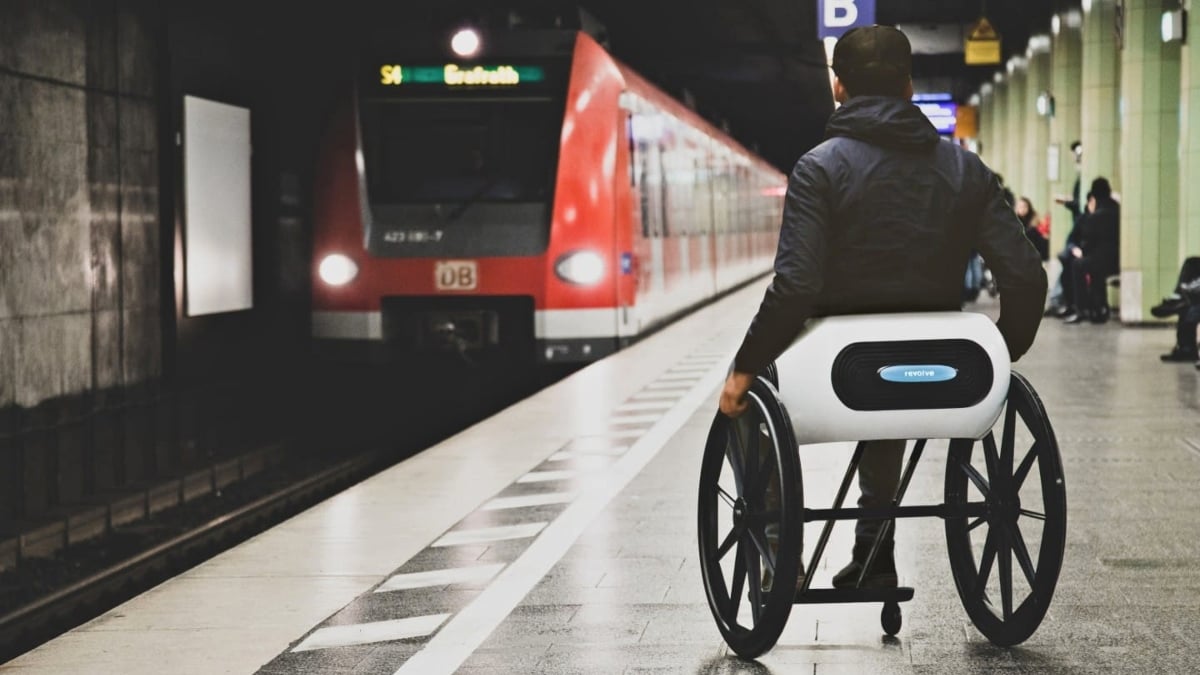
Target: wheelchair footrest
[{"x": 822, "y": 596}]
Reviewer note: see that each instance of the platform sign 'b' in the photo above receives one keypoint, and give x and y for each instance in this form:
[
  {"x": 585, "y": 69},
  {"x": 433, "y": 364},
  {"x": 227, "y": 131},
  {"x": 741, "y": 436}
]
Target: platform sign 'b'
[{"x": 835, "y": 17}]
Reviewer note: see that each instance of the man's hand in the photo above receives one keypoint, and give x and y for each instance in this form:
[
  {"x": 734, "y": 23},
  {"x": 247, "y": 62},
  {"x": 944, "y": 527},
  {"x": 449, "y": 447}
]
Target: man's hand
[
  {"x": 733, "y": 396},
  {"x": 1076, "y": 251}
]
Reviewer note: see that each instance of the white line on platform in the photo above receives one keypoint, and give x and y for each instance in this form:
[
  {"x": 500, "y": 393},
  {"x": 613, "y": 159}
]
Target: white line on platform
[
  {"x": 581, "y": 461},
  {"x": 541, "y": 499},
  {"x": 668, "y": 385},
  {"x": 655, "y": 396},
  {"x": 679, "y": 377},
  {"x": 455, "y": 575},
  {"x": 463, "y": 634},
  {"x": 645, "y": 405},
  {"x": 368, "y": 633},
  {"x": 624, "y": 434},
  {"x": 486, "y": 534},
  {"x": 598, "y": 446},
  {"x": 635, "y": 419},
  {"x": 545, "y": 476}
]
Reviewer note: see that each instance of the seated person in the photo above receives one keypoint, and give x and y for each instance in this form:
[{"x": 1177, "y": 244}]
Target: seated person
[{"x": 1184, "y": 303}]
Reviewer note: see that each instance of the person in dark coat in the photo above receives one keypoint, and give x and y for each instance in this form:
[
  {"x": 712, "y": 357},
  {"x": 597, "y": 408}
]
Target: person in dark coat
[
  {"x": 1095, "y": 256},
  {"x": 881, "y": 218},
  {"x": 1028, "y": 217}
]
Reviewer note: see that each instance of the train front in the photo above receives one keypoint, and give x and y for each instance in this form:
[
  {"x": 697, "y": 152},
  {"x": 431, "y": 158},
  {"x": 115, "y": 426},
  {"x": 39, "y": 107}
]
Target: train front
[{"x": 456, "y": 213}]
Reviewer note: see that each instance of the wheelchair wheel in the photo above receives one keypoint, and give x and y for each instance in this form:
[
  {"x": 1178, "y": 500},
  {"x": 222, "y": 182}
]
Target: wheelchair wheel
[
  {"x": 749, "y": 522},
  {"x": 1025, "y": 520}
]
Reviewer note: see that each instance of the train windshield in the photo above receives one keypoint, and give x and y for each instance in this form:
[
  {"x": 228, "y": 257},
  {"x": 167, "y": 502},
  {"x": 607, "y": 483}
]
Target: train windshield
[{"x": 460, "y": 151}]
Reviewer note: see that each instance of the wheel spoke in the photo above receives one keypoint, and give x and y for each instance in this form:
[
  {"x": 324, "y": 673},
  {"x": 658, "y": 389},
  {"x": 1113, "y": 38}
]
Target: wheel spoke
[
  {"x": 730, "y": 540},
  {"x": 755, "y": 582},
  {"x": 985, "y": 563},
  {"x": 992, "y": 459},
  {"x": 1005, "y": 560},
  {"x": 1022, "y": 471},
  {"x": 1022, "y": 554},
  {"x": 980, "y": 482},
  {"x": 1033, "y": 514},
  {"x": 735, "y": 453},
  {"x": 739, "y": 583},
  {"x": 1008, "y": 439},
  {"x": 725, "y": 495},
  {"x": 976, "y": 523},
  {"x": 764, "y": 551}
]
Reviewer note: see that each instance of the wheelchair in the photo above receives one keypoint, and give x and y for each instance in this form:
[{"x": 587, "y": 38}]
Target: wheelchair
[{"x": 919, "y": 376}]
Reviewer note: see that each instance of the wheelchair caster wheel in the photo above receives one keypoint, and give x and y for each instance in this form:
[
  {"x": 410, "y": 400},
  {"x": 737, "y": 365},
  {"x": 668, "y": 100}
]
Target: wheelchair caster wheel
[{"x": 890, "y": 618}]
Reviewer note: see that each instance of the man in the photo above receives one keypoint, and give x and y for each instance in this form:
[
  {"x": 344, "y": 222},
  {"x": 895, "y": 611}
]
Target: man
[
  {"x": 880, "y": 218},
  {"x": 1062, "y": 294},
  {"x": 1094, "y": 256}
]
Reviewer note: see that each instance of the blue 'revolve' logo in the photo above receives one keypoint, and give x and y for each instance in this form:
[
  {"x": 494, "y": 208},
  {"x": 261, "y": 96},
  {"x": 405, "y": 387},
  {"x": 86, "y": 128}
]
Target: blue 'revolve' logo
[{"x": 918, "y": 373}]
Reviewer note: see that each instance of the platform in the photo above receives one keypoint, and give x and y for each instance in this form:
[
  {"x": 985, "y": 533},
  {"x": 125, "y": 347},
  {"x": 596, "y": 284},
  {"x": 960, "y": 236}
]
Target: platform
[{"x": 559, "y": 537}]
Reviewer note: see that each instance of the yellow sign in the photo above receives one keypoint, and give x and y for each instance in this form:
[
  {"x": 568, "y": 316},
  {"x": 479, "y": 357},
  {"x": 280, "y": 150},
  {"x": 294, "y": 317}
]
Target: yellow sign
[
  {"x": 391, "y": 75},
  {"x": 967, "y": 122},
  {"x": 983, "y": 45}
]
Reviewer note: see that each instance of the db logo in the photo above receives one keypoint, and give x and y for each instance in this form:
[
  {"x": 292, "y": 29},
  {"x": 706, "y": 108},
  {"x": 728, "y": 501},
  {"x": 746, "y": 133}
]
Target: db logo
[{"x": 456, "y": 275}]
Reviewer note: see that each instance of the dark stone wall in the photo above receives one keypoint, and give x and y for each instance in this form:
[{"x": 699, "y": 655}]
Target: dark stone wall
[
  {"x": 80, "y": 276},
  {"x": 104, "y": 383}
]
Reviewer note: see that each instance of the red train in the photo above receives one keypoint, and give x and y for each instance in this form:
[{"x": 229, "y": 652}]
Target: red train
[{"x": 536, "y": 198}]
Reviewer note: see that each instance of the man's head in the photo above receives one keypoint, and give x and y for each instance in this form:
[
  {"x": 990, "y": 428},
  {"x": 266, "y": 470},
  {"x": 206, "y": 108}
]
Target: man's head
[
  {"x": 872, "y": 61},
  {"x": 1101, "y": 190},
  {"x": 1077, "y": 150}
]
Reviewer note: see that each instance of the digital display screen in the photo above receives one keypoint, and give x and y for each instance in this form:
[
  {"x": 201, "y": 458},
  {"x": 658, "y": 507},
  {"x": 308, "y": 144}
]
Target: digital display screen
[
  {"x": 454, "y": 75},
  {"x": 943, "y": 115}
]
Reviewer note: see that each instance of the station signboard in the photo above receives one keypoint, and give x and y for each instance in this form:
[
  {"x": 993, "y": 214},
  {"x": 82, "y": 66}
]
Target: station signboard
[{"x": 836, "y": 17}]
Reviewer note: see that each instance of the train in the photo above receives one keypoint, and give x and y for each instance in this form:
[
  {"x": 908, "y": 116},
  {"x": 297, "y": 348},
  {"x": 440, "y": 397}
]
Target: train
[{"x": 524, "y": 195}]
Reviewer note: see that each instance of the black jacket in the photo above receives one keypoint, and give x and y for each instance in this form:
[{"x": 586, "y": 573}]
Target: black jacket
[
  {"x": 1099, "y": 235},
  {"x": 881, "y": 218}
]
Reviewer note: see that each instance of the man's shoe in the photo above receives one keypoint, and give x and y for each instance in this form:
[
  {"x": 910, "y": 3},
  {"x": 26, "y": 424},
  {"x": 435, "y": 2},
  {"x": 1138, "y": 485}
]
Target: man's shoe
[
  {"x": 1177, "y": 355},
  {"x": 882, "y": 573},
  {"x": 1170, "y": 306},
  {"x": 1101, "y": 315},
  {"x": 1074, "y": 317},
  {"x": 1064, "y": 311}
]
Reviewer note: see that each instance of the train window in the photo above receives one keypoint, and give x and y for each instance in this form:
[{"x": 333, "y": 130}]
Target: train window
[{"x": 460, "y": 151}]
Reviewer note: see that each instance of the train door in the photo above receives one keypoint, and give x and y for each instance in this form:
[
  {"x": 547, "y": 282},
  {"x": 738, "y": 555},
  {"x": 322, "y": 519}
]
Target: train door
[{"x": 627, "y": 216}]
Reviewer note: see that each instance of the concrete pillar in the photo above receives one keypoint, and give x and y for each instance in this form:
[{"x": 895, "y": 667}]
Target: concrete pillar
[
  {"x": 987, "y": 122},
  {"x": 1014, "y": 141},
  {"x": 1066, "y": 54},
  {"x": 1189, "y": 142},
  {"x": 999, "y": 157},
  {"x": 1034, "y": 183},
  {"x": 1149, "y": 160},
  {"x": 1101, "y": 80}
]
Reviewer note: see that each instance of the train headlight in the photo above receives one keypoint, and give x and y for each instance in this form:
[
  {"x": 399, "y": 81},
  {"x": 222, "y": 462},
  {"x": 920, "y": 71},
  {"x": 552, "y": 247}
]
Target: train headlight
[
  {"x": 584, "y": 268},
  {"x": 465, "y": 43},
  {"x": 337, "y": 270}
]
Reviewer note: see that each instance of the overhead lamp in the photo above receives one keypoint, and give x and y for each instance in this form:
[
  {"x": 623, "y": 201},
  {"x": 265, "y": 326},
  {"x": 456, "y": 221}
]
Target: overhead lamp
[
  {"x": 1087, "y": 6},
  {"x": 1074, "y": 19},
  {"x": 1055, "y": 24},
  {"x": 1045, "y": 104},
  {"x": 975, "y": 100},
  {"x": 986, "y": 89},
  {"x": 465, "y": 42},
  {"x": 1174, "y": 26},
  {"x": 998, "y": 77}
]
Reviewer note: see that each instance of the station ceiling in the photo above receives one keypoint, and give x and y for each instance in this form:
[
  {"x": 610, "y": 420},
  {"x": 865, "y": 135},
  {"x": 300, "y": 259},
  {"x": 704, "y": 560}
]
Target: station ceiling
[{"x": 757, "y": 65}]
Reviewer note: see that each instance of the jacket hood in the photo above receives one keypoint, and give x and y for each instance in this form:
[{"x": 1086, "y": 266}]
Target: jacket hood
[{"x": 884, "y": 121}]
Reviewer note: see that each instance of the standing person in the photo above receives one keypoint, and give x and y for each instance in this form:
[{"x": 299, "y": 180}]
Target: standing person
[
  {"x": 1028, "y": 217},
  {"x": 1061, "y": 296},
  {"x": 1095, "y": 256},
  {"x": 880, "y": 218}
]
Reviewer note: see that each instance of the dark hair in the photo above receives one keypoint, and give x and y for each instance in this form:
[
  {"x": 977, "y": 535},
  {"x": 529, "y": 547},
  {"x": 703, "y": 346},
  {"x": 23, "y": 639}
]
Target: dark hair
[
  {"x": 1075, "y": 146},
  {"x": 873, "y": 61},
  {"x": 1101, "y": 189}
]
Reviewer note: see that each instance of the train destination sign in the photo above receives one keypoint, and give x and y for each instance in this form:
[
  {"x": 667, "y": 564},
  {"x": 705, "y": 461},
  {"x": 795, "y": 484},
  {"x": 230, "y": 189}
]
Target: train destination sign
[{"x": 455, "y": 75}]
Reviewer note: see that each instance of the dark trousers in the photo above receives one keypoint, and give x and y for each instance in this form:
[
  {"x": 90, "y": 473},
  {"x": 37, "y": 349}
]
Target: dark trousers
[
  {"x": 878, "y": 478},
  {"x": 1088, "y": 276},
  {"x": 1067, "y": 295},
  {"x": 1185, "y": 330}
]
